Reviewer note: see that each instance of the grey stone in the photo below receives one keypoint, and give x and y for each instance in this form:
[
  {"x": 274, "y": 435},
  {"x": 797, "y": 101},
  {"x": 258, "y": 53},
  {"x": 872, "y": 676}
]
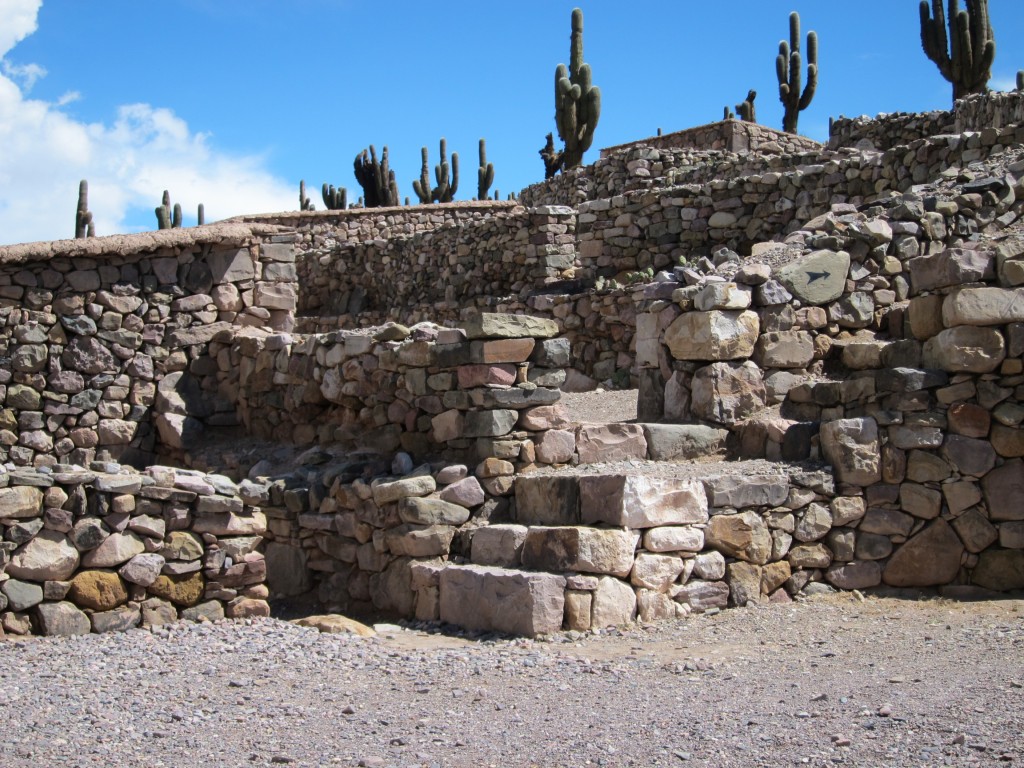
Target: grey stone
[{"x": 517, "y": 602}]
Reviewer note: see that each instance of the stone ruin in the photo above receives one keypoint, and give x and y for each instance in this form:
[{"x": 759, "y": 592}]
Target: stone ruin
[{"x": 361, "y": 409}]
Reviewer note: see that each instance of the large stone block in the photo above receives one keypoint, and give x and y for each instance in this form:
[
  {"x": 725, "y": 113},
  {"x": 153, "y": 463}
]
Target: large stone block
[
  {"x": 587, "y": 550},
  {"x": 20, "y": 502},
  {"x": 639, "y": 501},
  {"x": 715, "y": 335},
  {"x": 784, "y": 349},
  {"x": 1000, "y": 569},
  {"x": 610, "y": 442},
  {"x": 493, "y": 325},
  {"x": 703, "y": 595},
  {"x": 983, "y": 306},
  {"x": 817, "y": 278},
  {"x": 614, "y": 604},
  {"x": 520, "y": 603},
  {"x": 965, "y": 349},
  {"x": 498, "y": 545},
  {"x": 1004, "y": 491},
  {"x": 727, "y": 393},
  {"x": 62, "y": 619},
  {"x": 547, "y": 500},
  {"x": 287, "y": 571},
  {"x": 954, "y": 266},
  {"x": 683, "y": 442},
  {"x": 929, "y": 559},
  {"x": 853, "y": 448},
  {"x": 47, "y": 557},
  {"x": 740, "y": 491},
  {"x": 743, "y": 536},
  {"x": 657, "y": 572}
]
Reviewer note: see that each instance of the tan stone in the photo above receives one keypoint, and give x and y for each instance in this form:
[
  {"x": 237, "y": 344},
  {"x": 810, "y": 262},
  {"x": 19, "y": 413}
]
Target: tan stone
[
  {"x": 639, "y": 501},
  {"x": 711, "y": 336},
  {"x": 98, "y": 590},
  {"x": 588, "y": 550},
  {"x": 186, "y": 590},
  {"x": 930, "y": 558},
  {"x": 744, "y": 536}
]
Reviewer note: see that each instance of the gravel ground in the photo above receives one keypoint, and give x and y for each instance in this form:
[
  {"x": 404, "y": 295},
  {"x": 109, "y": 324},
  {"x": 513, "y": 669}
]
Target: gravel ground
[
  {"x": 836, "y": 680},
  {"x": 601, "y": 406}
]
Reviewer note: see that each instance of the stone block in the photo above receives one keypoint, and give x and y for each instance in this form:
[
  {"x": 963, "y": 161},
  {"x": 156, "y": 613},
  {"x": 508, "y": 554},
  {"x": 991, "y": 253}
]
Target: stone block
[
  {"x": 639, "y": 501},
  {"x": 712, "y": 336},
  {"x": 1004, "y": 489},
  {"x": 703, "y": 595},
  {"x": 62, "y": 619},
  {"x": 818, "y": 278},
  {"x": 929, "y": 559},
  {"x": 610, "y": 442},
  {"x": 588, "y": 550},
  {"x": 784, "y": 349},
  {"x": 674, "y": 539},
  {"x": 547, "y": 500},
  {"x": 517, "y": 602},
  {"x": 1000, "y": 570},
  {"x": 727, "y": 393},
  {"x": 983, "y": 306},
  {"x": 853, "y": 448},
  {"x": 498, "y": 545},
  {"x": 954, "y": 266},
  {"x": 740, "y": 491},
  {"x": 965, "y": 349},
  {"x": 683, "y": 442},
  {"x": 856, "y": 575},
  {"x": 744, "y": 536},
  {"x": 613, "y": 604},
  {"x": 656, "y": 572},
  {"x": 493, "y": 325}
]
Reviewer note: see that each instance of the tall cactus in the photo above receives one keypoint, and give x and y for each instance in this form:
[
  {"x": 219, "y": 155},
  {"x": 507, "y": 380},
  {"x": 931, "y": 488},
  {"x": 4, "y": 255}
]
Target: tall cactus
[
  {"x": 484, "y": 173},
  {"x": 304, "y": 202},
  {"x": 84, "y": 226},
  {"x": 788, "y": 71},
  {"x": 336, "y": 199},
  {"x": 201, "y": 215},
  {"x": 1020, "y": 80},
  {"x": 376, "y": 178},
  {"x": 167, "y": 217},
  {"x": 447, "y": 178},
  {"x": 577, "y": 100},
  {"x": 747, "y": 111},
  {"x": 728, "y": 114},
  {"x": 965, "y": 58}
]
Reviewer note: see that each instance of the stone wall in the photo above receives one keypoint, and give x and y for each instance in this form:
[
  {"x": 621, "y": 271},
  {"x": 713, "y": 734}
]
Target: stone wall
[
  {"x": 100, "y": 336},
  {"x": 886, "y": 131},
  {"x": 994, "y": 110},
  {"x": 727, "y": 135},
  {"x": 893, "y": 348},
  {"x": 451, "y": 267},
  {"x": 109, "y": 549}
]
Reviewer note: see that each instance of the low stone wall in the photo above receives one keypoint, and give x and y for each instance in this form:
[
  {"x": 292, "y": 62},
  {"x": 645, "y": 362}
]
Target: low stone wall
[
  {"x": 97, "y": 336},
  {"x": 450, "y": 267},
  {"x": 729, "y": 135},
  {"x": 109, "y": 549},
  {"x": 995, "y": 110},
  {"x": 991, "y": 110},
  {"x": 886, "y": 131}
]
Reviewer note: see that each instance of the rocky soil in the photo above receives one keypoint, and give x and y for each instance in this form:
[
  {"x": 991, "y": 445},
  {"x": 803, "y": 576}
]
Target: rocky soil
[{"x": 837, "y": 680}]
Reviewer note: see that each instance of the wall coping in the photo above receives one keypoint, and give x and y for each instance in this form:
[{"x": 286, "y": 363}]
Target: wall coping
[{"x": 221, "y": 233}]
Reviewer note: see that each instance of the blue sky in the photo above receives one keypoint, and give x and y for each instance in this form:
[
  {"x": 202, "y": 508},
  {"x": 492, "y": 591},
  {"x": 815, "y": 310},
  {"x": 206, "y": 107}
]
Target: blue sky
[{"x": 232, "y": 102}]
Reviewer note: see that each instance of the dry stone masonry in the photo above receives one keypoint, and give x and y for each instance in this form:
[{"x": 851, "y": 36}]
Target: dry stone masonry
[{"x": 853, "y": 314}]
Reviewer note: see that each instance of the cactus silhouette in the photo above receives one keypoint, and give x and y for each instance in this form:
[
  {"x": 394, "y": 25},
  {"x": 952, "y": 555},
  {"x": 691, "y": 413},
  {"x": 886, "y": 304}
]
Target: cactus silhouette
[
  {"x": 965, "y": 58},
  {"x": 304, "y": 202},
  {"x": 376, "y": 178},
  {"x": 201, "y": 215},
  {"x": 166, "y": 216},
  {"x": 747, "y": 111},
  {"x": 335, "y": 199},
  {"x": 728, "y": 114},
  {"x": 447, "y": 178},
  {"x": 484, "y": 173},
  {"x": 577, "y": 100},
  {"x": 84, "y": 226},
  {"x": 787, "y": 69}
]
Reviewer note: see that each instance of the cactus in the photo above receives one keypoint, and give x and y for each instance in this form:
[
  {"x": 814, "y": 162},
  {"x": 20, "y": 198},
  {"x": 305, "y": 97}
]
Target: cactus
[
  {"x": 376, "y": 178},
  {"x": 446, "y": 185},
  {"x": 747, "y": 111},
  {"x": 727, "y": 114},
  {"x": 201, "y": 215},
  {"x": 1020, "y": 80},
  {"x": 577, "y": 100},
  {"x": 965, "y": 59},
  {"x": 552, "y": 158},
  {"x": 484, "y": 173},
  {"x": 304, "y": 202},
  {"x": 335, "y": 198},
  {"x": 84, "y": 226},
  {"x": 167, "y": 217},
  {"x": 787, "y": 69}
]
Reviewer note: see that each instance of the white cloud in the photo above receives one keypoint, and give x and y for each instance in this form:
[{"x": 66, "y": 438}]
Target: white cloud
[{"x": 128, "y": 162}]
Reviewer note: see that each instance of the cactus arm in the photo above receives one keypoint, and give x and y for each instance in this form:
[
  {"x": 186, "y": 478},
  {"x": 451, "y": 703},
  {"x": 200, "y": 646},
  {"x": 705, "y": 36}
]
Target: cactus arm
[
  {"x": 176, "y": 220},
  {"x": 83, "y": 216},
  {"x": 484, "y": 173},
  {"x": 162, "y": 220},
  {"x": 965, "y": 57},
  {"x": 201, "y": 215},
  {"x": 812, "y": 71},
  {"x": 422, "y": 186}
]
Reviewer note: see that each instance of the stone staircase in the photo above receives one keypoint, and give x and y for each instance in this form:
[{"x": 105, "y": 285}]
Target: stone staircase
[{"x": 595, "y": 547}]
